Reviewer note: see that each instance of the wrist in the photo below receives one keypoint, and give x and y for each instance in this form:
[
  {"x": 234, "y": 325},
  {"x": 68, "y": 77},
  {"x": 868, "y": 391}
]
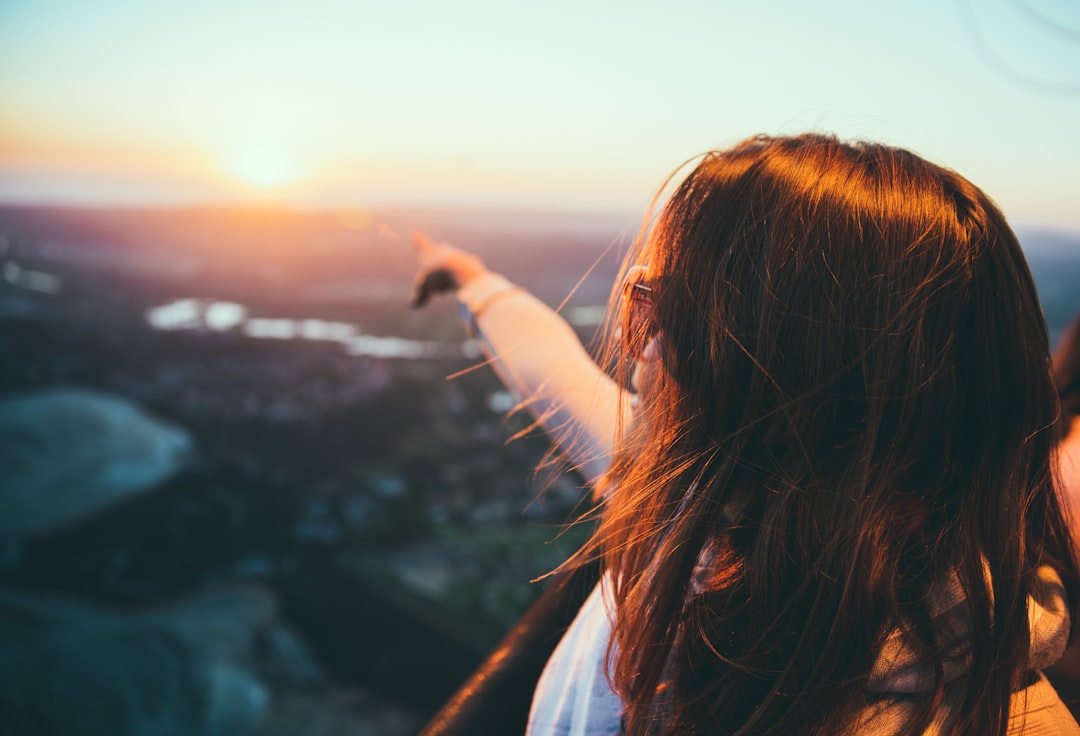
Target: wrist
[
  {"x": 483, "y": 290},
  {"x": 470, "y": 274}
]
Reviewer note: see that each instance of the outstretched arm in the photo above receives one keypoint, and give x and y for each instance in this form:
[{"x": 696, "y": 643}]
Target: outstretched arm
[{"x": 535, "y": 353}]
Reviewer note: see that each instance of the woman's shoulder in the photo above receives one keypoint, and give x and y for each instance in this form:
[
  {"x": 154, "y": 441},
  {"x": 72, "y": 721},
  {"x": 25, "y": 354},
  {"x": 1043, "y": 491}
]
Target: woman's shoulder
[{"x": 1038, "y": 710}]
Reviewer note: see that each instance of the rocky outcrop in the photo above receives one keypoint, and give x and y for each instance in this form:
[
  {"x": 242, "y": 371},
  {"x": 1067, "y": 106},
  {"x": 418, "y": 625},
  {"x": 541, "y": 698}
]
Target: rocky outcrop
[{"x": 66, "y": 453}]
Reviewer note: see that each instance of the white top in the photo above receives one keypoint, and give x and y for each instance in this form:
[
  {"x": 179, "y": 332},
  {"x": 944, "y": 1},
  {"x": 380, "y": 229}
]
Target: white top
[{"x": 573, "y": 697}]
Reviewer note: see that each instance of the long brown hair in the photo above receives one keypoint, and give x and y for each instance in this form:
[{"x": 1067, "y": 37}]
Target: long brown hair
[{"x": 854, "y": 401}]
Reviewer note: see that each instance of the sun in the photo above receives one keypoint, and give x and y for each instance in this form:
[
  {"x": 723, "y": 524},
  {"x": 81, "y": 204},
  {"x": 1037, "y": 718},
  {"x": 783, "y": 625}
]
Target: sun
[{"x": 263, "y": 166}]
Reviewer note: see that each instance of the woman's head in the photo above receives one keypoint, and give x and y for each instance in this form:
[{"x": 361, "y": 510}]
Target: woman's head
[
  {"x": 853, "y": 397},
  {"x": 837, "y": 302}
]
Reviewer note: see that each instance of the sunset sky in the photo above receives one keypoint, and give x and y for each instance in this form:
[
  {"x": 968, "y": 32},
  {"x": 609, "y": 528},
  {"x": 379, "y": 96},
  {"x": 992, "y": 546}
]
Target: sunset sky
[{"x": 564, "y": 103}]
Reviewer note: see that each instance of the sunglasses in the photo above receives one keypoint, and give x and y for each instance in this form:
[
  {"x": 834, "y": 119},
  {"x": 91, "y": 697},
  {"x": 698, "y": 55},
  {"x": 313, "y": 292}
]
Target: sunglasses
[{"x": 637, "y": 324}]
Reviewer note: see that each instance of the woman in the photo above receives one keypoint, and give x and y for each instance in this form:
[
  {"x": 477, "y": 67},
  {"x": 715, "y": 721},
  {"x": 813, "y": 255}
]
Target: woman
[{"x": 829, "y": 507}]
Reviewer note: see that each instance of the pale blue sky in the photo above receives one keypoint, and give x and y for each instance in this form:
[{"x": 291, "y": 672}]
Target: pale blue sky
[{"x": 567, "y": 104}]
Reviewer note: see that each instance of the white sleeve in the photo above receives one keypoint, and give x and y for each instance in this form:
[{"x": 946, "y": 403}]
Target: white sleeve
[{"x": 540, "y": 359}]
